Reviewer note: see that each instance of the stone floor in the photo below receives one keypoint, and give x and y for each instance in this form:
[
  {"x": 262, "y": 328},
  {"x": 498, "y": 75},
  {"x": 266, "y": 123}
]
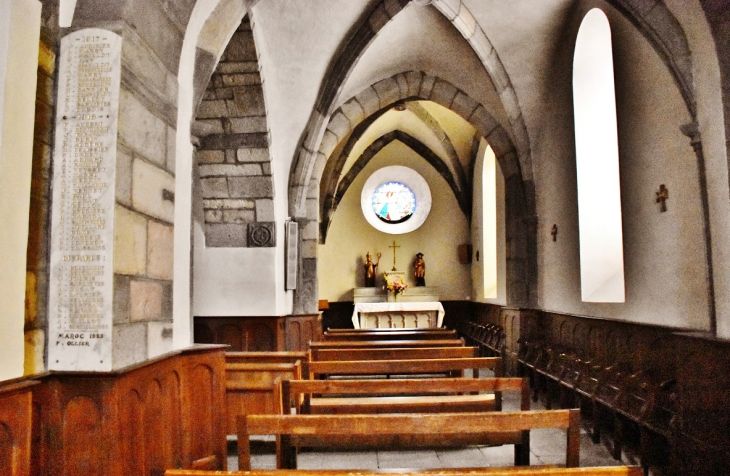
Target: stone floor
[{"x": 546, "y": 447}]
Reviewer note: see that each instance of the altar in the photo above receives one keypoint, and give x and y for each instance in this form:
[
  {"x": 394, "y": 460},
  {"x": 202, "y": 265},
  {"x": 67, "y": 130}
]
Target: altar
[{"x": 370, "y": 315}]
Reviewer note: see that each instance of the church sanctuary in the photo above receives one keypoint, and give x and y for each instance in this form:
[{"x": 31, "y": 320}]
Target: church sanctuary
[{"x": 324, "y": 237}]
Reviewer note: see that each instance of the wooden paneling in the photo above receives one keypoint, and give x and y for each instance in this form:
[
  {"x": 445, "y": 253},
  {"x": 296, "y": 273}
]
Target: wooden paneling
[
  {"x": 259, "y": 334},
  {"x": 16, "y": 421},
  {"x": 162, "y": 414}
]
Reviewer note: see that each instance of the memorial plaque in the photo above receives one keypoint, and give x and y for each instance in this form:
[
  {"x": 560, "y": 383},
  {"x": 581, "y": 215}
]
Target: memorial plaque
[{"x": 82, "y": 226}]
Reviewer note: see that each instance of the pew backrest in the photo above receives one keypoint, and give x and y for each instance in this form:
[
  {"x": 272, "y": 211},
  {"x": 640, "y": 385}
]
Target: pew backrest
[
  {"x": 388, "y": 343},
  {"x": 302, "y": 391},
  {"x": 399, "y": 334},
  {"x": 321, "y": 369},
  {"x": 394, "y": 353},
  {"x": 444, "y": 425},
  {"x": 511, "y": 471}
]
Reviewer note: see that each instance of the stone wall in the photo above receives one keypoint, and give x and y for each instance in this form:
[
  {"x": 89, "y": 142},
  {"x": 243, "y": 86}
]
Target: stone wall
[
  {"x": 233, "y": 157},
  {"x": 36, "y": 299}
]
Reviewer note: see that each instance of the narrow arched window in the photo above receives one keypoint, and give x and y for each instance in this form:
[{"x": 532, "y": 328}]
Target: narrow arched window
[
  {"x": 489, "y": 223},
  {"x": 597, "y": 163}
]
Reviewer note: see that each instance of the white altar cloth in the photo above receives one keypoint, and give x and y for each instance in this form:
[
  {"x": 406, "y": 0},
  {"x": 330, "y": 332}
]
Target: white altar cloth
[{"x": 385, "y": 307}]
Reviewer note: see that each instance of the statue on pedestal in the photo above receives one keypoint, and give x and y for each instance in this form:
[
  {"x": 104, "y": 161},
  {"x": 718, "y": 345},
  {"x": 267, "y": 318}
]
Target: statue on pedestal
[
  {"x": 370, "y": 270},
  {"x": 419, "y": 270}
]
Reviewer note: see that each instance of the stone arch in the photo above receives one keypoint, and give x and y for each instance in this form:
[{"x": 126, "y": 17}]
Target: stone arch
[
  {"x": 371, "y": 151},
  {"x": 664, "y": 32},
  {"x": 233, "y": 157},
  {"x": 307, "y": 154},
  {"x": 357, "y": 113}
]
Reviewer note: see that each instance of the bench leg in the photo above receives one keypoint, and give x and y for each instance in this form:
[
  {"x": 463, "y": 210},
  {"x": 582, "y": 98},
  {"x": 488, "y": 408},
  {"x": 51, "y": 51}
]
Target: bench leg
[
  {"x": 522, "y": 450},
  {"x": 286, "y": 454}
]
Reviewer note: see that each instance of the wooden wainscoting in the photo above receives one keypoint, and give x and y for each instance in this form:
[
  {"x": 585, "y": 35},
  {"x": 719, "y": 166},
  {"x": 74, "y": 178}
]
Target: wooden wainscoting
[
  {"x": 16, "y": 422},
  {"x": 166, "y": 413},
  {"x": 259, "y": 333}
]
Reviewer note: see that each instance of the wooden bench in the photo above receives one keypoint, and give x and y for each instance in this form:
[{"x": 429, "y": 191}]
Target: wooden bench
[
  {"x": 265, "y": 357},
  {"x": 294, "y": 431},
  {"x": 387, "y": 343},
  {"x": 394, "y": 353},
  {"x": 399, "y": 334},
  {"x": 518, "y": 471},
  {"x": 449, "y": 367},
  {"x": 251, "y": 387},
  {"x": 400, "y": 395}
]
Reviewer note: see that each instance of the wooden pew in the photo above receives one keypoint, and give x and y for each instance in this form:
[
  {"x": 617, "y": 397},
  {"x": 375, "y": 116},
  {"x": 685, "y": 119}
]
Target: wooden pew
[
  {"x": 265, "y": 357},
  {"x": 400, "y": 395},
  {"x": 387, "y": 343},
  {"x": 518, "y": 471},
  {"x": 451, "y": 367},
  {"x": 394, "y": 353},
  {"x": 251, "y": 387},
  {"x": 451, "y": 428},
  {"x": 386, "y": 329},
  {"x": 400, "y": 334}
]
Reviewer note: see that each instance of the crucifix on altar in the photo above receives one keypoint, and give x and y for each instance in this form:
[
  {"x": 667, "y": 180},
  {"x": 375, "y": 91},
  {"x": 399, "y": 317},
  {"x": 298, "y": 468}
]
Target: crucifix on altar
[{"x": 394, "y": 246}]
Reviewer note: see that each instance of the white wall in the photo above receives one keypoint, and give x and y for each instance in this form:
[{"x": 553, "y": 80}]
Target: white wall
[
  {"x": 350, "y": 237},
  {"x": 19, "y": 39},
  {"x": 233, "y": 281},
  {"x": 663, "y": 252}
]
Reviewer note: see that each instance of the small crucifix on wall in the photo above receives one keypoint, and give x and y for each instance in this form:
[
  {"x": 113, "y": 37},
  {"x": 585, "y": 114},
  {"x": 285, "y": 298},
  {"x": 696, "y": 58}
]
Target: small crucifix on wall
[
  {"x": 661, "y": 197},
  {"x": 554, "y": 232},
  {"x": 394, "y": 246}
]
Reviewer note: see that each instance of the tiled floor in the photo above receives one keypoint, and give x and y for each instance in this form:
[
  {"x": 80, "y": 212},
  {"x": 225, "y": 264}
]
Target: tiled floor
[{"x": 546, "y": 447}]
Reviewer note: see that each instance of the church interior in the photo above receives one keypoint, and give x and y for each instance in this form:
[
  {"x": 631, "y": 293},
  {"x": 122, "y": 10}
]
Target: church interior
[{"x": 186, "y": 185}]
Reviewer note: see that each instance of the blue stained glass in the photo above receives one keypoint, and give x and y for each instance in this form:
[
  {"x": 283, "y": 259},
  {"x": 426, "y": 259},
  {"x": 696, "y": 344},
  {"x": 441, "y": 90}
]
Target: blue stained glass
[{"x": 394, "y": 202}]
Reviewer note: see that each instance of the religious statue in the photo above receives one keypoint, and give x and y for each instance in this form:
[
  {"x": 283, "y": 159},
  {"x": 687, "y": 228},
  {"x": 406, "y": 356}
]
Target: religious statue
[
  {"x": 370, "y": 270},
  {"x": 419, "y": 270}
]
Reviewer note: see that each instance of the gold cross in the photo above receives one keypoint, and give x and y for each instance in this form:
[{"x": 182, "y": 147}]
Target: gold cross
[{"x": 394, "y": 246}]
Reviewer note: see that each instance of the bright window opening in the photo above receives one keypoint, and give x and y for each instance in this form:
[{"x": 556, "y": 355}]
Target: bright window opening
[
  {"x": 489, "y": 217},
  {"x": 597, "y": 163}
]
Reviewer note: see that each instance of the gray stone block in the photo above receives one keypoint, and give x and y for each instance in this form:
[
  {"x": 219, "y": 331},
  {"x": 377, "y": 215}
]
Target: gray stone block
[
  {"x": 353, "y": 111},
  {"x": 141, "y": 130},
  {"x": 463, "y": 105},
  {"x": 215, "y": 187},
  {"x": 369, "y": 100},
  {"x": 241, "y": 79},
  {"x": 339, "y": 125},
  {"x": 238, "y": 67},
  {"x": 443, "y": 93},
  {"x": 210, "y": 156},
  {"x": 266, "y": 168},
  {"x": 265, "y": 210},
  {"x": 213, "y": 216},
  {"x": 238, "y": 216},
  {"x": 253, "y": 155},
  {"x": 483, "y": 121},
  {"x": 400, "y": 79},
  {"x": 426, "y": 86},
  {"x": 248, "y": 101},
  {"x": 123, "y": 190},
  {"x": 129, "y": 344},
  {"x": 241, "y": 47},
  {"x": 225, "y": 236},
  {"x": 378, "y": 18},
  {"x": 244, "y": 125},
  {"x": 212, "y": 109},
  {"x": 224, "y": 93},
  {"x": 234, "y": 141},
  {"x": 229, "y": 170},
  {"x": 251, "y": 187},
  {"x": 329, "y": 142},
  {"x": 414, "y": 79},
  {"x": 120, "y": 300},
  {"x": 388, "y": 91}
]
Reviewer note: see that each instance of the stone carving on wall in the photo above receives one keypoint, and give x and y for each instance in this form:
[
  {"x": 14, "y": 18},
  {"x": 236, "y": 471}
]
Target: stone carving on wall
[{"x": 262, "y": 235}]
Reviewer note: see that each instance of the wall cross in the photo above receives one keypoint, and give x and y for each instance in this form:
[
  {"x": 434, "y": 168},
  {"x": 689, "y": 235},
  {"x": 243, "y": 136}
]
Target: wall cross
[
  {"x": 661, "y": 197},
  {"x": 394, "y": 246}
]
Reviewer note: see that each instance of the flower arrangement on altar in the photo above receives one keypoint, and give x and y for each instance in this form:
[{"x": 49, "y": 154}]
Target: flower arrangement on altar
[{"x": 394, "y": 285}]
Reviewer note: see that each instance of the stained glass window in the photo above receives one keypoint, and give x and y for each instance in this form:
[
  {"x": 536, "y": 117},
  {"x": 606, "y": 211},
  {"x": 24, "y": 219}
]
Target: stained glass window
[{"x": 394, "y": 202}]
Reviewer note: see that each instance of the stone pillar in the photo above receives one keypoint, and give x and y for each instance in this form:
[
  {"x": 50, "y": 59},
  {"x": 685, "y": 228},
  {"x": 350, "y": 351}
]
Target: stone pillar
[{"x": 112, "y": 254}]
